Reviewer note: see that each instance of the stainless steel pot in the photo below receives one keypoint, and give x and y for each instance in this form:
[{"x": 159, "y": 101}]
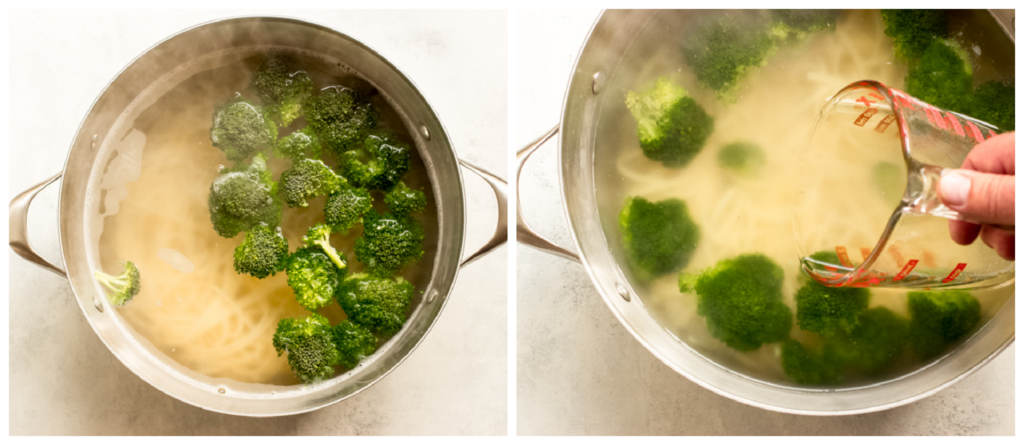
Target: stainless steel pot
[
  {"x": 171, "y": 61},
  {"x": 610, "y": 37}
]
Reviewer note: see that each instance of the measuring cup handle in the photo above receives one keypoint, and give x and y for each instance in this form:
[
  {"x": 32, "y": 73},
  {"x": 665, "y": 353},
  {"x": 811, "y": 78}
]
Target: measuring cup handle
[
  {"x": 19, "y": 226},
  {"x": 524, "y": 233}
]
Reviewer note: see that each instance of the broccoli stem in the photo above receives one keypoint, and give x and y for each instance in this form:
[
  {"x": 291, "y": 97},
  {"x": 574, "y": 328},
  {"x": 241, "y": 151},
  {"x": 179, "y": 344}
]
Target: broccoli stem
[
  {"x": 113, "y": 283},
  {"x": 331, "y": 253}
]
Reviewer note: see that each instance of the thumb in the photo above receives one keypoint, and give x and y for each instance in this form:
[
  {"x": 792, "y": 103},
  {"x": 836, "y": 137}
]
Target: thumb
[{"x": 980, "y": 197}]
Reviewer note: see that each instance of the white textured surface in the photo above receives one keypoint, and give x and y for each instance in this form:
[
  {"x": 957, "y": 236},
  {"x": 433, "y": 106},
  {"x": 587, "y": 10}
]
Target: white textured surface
[
  {"x": 580, "y": 372},
  {"x": 63, "y": 380}
]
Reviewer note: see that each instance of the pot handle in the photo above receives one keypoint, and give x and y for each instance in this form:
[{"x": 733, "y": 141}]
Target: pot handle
[
  {"x": 524, "y": 233},
  {"x": 500, "y": 188},
  {"x": 19, "y": 226}
]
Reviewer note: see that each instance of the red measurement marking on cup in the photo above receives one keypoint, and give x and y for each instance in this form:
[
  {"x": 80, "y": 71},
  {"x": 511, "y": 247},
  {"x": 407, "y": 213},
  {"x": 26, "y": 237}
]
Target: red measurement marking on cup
[
  {"x": 867, "y": 102},
  {"x": 955, "y": 123},
  {"x": 955, "y": 273},
  {"x": 865, "y": 252},
  {"x": 865, "y": 117},
  {"x": 884, "y": 124},
  {"x": 843, "y": 257},
  {"x": 936, "y": 117},
  {"x": 975, "y": 132},
  {"x": 905, "y": 271}
]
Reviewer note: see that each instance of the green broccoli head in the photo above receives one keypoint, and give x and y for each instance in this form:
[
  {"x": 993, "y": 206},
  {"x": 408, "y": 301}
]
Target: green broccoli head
[
  {"x": 803, "y": 21},
  {"x": 671, "y": 125},
  {"x": 809, "y": 367},
  {"x": 339, "y": 118},
  {"x": 939, "y": 318},
  {"x": 241, "y": 129},
  {"x": 402, "y": 201},
  {"x": 299, "y": 145},
  {"x": 122, "y": 287},
  {"x": 320, "y": 236},
  {"x": 993, "y": 102},
  {"x": 310, "y": 346},
  {"x": 744, "y": 158},
  {"x": 388, "y": 243},
  {"x": 721, "y": 49},
  {"x": 314, "y": 277},
  {"x": 942, "y": 76},
  {"x": 829, "y": 311},
  {"x": 306, "y": 179},
  {"x": 345, "y": 208},
  {"x": 376, "y": 303},
  {"x": 281, "y": 90},
  {"x": 878, "y": 340},
  {"x": 242, "y": 197},
  {"x": 913, "y": 30},
  {"x": 380, "y": 166},
  {"x": 263, "y": 252},
  {"x": 741, "y": 301},
  {"x": 659, "y": 237},
  {"x": 353, "y": 342}
]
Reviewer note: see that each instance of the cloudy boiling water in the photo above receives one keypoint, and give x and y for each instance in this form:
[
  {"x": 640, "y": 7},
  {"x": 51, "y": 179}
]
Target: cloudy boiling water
[
  {"x": 774, "y": 107},
  {"x": 193, "y": 306}
]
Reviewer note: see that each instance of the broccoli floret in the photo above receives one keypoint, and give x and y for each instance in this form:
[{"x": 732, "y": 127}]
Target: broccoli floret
[
  {"x": 242, "y": 197},
  {"x": 388, "y": 243},
  {"x": 263, "y": 252},
  {"x": 376, "y": 303},
  {"x": 809, "y": 367},
  {"x": 305, "y": 179},
  {"x": 281, "y": 90},
  {"x": 877, "y": 341},
  {"x": 379, "y": 166},
  {"x": 940, "y": 318},
  {"x": 659, "y": 237},
  {"x": 741, "y": 301},
  {"x": 339, "y": 118},
  {"x": 310, "y": 346},
  {"x": 346, "y": 207},
  {"x": 402, "y": 201},
  {"x": 314, "y": 277},
  {"x": 745, "y": 158},
  {"x": 803, "y": 21},
  {"x": 122, "y": 287},
  {"x": 942, "y": 76},
  {"x": 299, "y": 145},
  {"x": 320, "y": 236},
  {"x": 720, "y": 49},
  {"x": 830, "y": 310},
  {"x": 671, "y": 125},
  {"x": 993, "y": 102},
  {"x": 354, "y": 342},
  {"x": 240, "y": 129},
  {"x": 913, "y": 29}
]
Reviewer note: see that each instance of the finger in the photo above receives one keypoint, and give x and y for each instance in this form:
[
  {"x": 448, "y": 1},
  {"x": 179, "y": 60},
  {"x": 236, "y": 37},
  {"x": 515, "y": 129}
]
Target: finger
[
  {"x": 999, "y": 240},
  {"x": 963, "y": 232},
  {"x": 995, "y": 155},
  {"x": 979, "y": 197}
]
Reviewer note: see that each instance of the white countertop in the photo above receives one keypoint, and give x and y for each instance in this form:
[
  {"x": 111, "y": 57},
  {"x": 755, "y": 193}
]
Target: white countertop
[
  {"x": 63, "y": 380},
  {"x": 580, "y": 372}
]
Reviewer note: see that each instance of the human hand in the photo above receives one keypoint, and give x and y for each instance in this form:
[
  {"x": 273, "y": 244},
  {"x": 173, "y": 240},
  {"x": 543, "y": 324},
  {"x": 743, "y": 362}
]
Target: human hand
[{"x": 982, "y": 191}]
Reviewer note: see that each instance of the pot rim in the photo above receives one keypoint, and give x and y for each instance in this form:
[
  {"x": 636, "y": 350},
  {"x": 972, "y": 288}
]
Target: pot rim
[
  {"x": 445, "y": 136},
  {"x": 608, "y": 295}
]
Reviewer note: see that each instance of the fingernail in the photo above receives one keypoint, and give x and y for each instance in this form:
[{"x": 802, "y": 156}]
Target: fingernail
[{"x": 954, "y": 188}]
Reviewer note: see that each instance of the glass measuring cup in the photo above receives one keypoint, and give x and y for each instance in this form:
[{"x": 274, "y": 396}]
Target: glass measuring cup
[{"x": 872, "y": 166}]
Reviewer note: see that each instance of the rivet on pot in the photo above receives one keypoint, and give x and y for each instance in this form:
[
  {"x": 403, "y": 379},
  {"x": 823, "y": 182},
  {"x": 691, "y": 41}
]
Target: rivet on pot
[
  {"x": 598, "y": 82},
  {"x": 95, "y": 139},
  {"x": 98, "y": 303},
  {"x": 623, "y": 291},
  {"x": 425, "y": 132},
  {"x": 431, "y": 295}
]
